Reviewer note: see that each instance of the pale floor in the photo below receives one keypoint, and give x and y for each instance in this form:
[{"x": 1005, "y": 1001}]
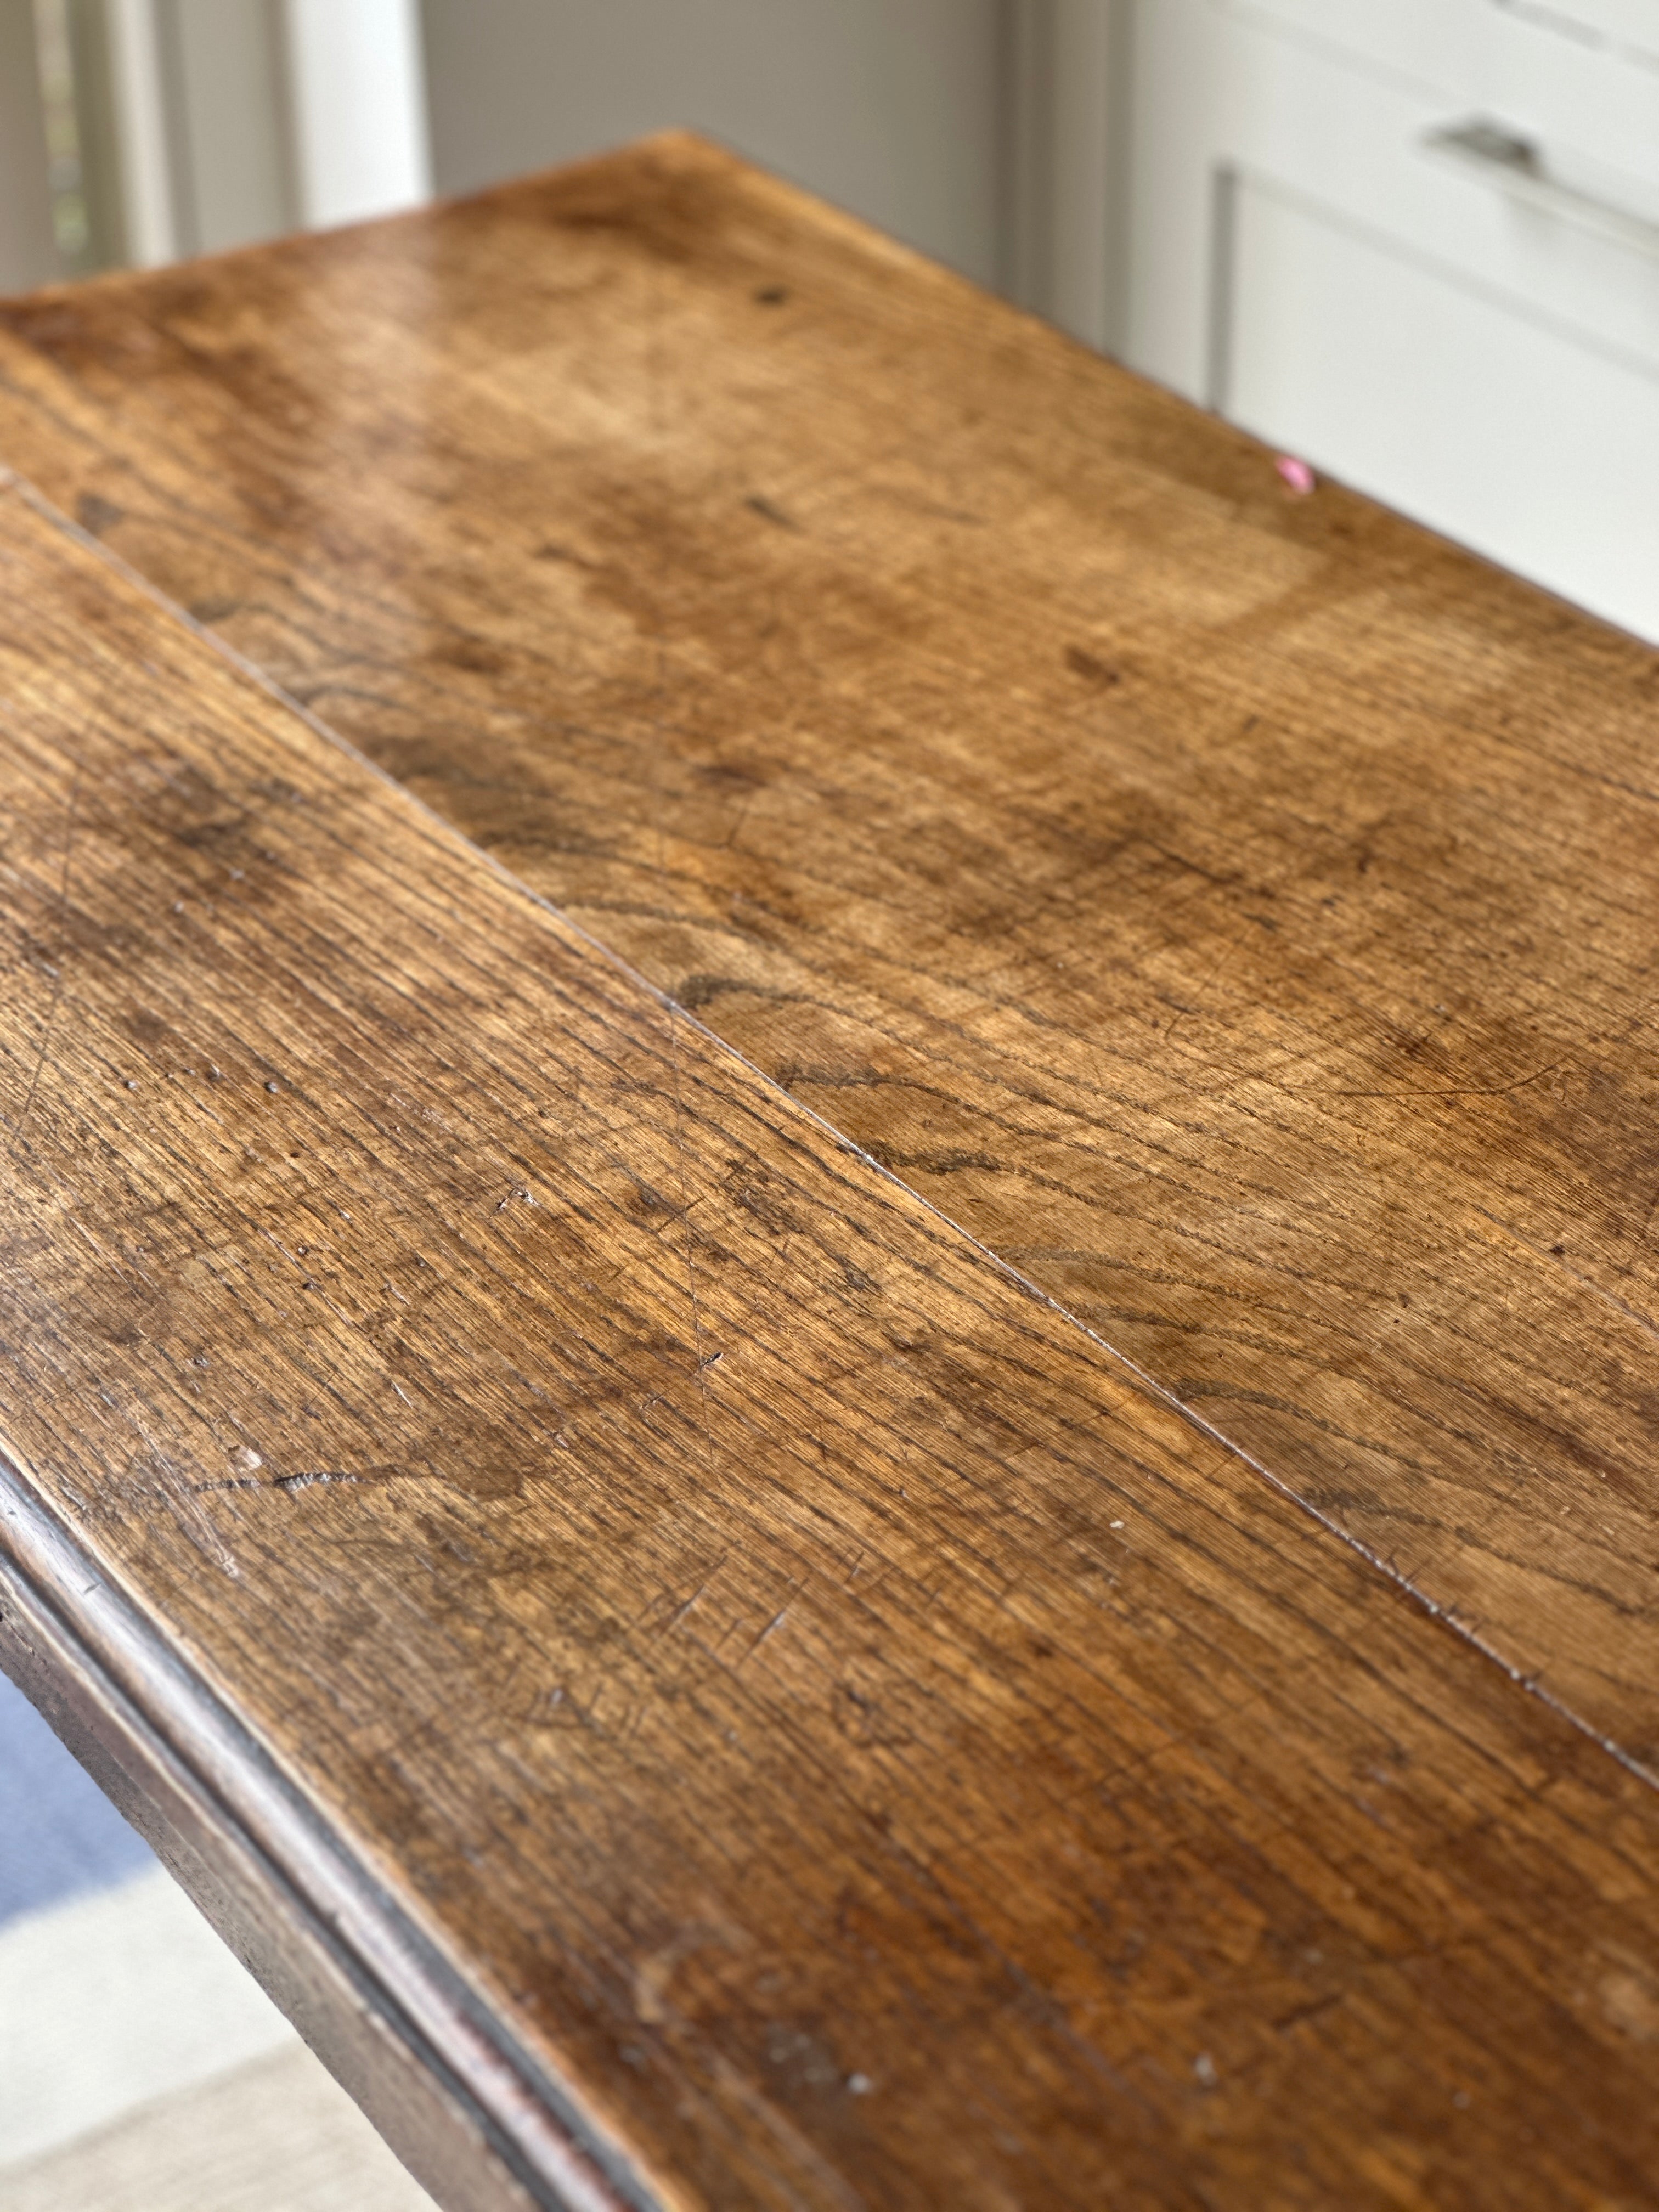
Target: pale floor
[
  {"x": 277, "y": 2135},
  {"x": 141, "y": 2070}
]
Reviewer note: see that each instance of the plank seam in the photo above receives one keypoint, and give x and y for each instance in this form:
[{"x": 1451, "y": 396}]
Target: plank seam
[{"x": 1146, "y": 1383}]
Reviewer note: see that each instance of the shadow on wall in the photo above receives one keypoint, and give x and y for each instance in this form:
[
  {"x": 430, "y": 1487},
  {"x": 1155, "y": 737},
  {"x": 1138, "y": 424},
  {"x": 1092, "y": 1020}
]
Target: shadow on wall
[{"x": 893, "y": 110}]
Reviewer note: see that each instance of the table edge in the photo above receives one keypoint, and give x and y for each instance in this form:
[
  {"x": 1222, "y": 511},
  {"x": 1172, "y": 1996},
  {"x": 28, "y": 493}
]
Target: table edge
[{"x": 471, "y": 2112}]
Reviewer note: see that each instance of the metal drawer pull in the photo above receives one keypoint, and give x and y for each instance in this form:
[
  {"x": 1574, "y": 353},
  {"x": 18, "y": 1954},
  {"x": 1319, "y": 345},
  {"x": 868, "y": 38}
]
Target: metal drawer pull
[{"x": 1516, "y": 165}]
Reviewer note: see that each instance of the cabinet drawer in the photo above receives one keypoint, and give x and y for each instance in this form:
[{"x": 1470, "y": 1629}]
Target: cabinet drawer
[
  {"x": 1582, "y": 76},
  {"x": 1505, "y": 431},
  {"x": 1486, "y": 360},
  {"x": 1359, "y": 144}
]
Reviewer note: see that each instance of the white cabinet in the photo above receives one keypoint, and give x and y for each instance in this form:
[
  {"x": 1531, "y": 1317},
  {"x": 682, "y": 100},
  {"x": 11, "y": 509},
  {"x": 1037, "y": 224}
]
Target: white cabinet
[{"x": 1468, "y": 330}]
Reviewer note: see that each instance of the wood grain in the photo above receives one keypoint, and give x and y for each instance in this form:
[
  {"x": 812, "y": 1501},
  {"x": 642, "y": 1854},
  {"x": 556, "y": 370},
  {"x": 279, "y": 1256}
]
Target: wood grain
[
  {"x": 1236, "y": 910},
  {"x": 843, "y": 1734}
]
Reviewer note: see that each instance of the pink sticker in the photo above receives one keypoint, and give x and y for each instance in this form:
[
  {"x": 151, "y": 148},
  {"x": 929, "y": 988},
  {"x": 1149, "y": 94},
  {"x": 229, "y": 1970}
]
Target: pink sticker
[{"x": 1299, "y": 477}]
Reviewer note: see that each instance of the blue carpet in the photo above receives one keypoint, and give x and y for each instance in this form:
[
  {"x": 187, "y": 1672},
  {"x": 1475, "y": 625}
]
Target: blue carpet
[{"x": 59, "y": 1834}]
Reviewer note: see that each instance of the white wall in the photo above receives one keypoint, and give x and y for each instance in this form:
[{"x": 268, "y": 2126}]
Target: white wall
[{"x": 890, "y": 108}]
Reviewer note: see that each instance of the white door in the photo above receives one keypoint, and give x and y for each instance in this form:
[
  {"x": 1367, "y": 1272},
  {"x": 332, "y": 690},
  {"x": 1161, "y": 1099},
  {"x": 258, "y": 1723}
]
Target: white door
[
  {"x": 209, "y": 123},
  {"x": 1416, "y": 242}
]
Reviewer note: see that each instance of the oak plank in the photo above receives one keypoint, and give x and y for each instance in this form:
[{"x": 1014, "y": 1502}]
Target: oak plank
[
  {"x": 1235, "y": 910},
  {"x": 848, "y": 1742}
]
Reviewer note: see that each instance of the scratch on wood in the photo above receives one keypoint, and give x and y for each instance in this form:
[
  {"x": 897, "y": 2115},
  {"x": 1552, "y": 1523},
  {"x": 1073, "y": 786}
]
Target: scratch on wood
[
  {"x": 680, "y": 1610},
  {"x": 1450, "y": 1091},
  {"x": 776, "y": 1621},
  {"x": 62, "y": 949},
  {"x": 660, "y": 730}
]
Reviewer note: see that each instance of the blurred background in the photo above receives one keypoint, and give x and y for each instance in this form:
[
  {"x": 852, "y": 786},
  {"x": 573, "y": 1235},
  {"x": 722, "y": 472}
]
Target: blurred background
[{"x": 1413, "y": 242}]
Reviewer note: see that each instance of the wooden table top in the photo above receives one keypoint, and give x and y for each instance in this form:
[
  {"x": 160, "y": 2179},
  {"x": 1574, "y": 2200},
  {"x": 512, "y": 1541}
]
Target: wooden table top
[{"x": 857, "y": 1410}]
